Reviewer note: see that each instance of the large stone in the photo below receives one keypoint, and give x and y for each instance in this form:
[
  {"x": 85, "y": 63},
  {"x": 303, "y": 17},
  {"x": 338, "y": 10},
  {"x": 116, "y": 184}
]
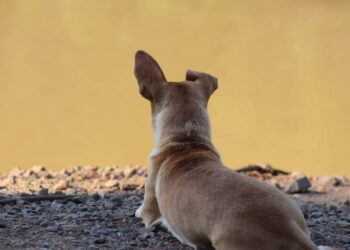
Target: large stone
[{"x": 299, "y": 186}]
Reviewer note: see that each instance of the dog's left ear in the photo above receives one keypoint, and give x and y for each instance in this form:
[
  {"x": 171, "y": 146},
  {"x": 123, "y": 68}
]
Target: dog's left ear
[
  {"x": 208, "y": 83},
  {"x": 149, "y": 75}
]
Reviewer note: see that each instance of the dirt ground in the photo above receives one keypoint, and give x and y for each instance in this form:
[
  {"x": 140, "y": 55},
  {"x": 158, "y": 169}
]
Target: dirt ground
[{"x": 93, "y": 208}]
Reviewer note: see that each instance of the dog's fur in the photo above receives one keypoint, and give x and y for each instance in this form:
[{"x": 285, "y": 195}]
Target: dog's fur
[{"x": 204, "y": 204}]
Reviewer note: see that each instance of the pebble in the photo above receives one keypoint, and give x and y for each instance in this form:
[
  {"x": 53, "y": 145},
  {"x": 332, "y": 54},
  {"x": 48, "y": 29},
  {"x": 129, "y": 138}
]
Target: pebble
[
  {"x": 128, "y": 187},
  {"x": 109, "y": 204},
  {"x": 56, "y": 205},
  {"x": 147, "y": 235},
  {"x": 344, "y": 224},
  {"x": 20, "y": 203},
  {"x": 44, "y": 223},
  {"x": 53, "y": 228},
  {"x": 70, "y": 228},
  {"x": 100, "y": 241},
  {"x": 111, "y": 183},
  {"x": 38, "y": 168},
  {"x": 129, "y": 171},
  {"x": 333, "y": 217},
  {"x": 326, "y": 183},
  {"x": 343, "y": 238},
  {"x": 316, "y": 214},
  {"x": 61, "y": 185},
  {"x": 44, "y": 191},
  {"x": 347, "y": 217}
]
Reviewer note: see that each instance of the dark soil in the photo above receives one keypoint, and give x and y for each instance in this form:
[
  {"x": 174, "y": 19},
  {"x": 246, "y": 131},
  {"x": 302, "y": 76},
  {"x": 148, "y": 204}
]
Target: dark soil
[{"x": 100, "y": 212}]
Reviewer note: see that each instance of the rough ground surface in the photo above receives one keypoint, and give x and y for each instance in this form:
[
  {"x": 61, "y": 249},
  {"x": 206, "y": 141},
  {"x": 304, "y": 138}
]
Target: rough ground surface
[{"x": 100, "y": 214}]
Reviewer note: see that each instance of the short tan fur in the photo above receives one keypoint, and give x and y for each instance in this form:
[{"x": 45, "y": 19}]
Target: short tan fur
[{"x": 203, "y": 203}]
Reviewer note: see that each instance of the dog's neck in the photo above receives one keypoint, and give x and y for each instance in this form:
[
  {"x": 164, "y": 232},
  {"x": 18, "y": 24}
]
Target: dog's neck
[{"x": 179, "y": 131}]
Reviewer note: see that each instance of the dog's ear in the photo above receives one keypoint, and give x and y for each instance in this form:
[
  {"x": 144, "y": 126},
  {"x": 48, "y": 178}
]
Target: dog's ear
[
  {"x": 149, "y": 75},
  {"x": 208, "y": 83}
]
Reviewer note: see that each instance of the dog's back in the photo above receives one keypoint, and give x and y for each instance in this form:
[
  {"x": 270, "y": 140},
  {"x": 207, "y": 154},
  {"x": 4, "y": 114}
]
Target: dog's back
[{"x": 205, "y": 204}]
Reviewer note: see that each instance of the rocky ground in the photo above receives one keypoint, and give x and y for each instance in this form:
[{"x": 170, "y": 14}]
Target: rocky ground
[{"x": 93, "y": 208}]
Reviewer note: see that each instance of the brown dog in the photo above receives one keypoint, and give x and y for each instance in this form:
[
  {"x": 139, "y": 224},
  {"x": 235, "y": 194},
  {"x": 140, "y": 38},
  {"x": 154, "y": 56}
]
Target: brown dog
[{"x": 201, "y": 202}]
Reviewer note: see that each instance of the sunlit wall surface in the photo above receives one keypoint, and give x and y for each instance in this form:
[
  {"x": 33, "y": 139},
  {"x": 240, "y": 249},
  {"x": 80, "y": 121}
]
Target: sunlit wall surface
[{"x": 68, "y": 95}]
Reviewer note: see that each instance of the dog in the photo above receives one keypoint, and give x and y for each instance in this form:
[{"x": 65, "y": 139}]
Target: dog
[{"x": 200, "y": 201}]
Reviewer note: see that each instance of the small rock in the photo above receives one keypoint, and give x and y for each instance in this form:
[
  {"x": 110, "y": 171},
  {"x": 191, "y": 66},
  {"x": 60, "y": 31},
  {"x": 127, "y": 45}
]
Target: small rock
[
  {"x": 10, "y": 180},
  {"x": 71, "y": 228},
  {"x": 96, "y": 196},
  {"x": 326, "y": 183},
  {"x": 296, "y": 175},
  {"x": 28, "y": 173},
  {"x": 77, "y": 168},
  {"x": 44, "y": 223},
  {"x": 61, "y": 185},
  {"x": 82, "y": 198},
  {"x": 344, "y": 224},
  {"x": 343, "y": 180},
  {"x": 58, "y": 193},
  {"x": 138, "y": 181},
  {"x": 65, "y": 172},
  {"x": 53, "y": 229},
  {"x": 38, "y": 168},
  {"x": 333, "y": 208},
  {"x": 316, "y": 236},
  {"x": 343, "y": 238},
  {"x": 100, "y": 241},
  {"x": 299, "y": 186},
  {"x": 347, "y": 218},
  {"x": 315, "y": 215},
  {"x": 43, "y": 175},
  {"x": 128, "y": 187},
  {"x": 44, "y": 191},
  {"x": 116, "y": 200},
  {"x": 55, "y": 205},
  {"x": 111, "y": 183},
  {"x": 24, "y": 194},
  {"x": 2, "y": 224},
  {"x": 129, "y": 171},
  {"x": 16, "y": 171},
  {"x": 109, "y": 204},
  {"x": 333, "y": 217},
  {"x": 20, "y": 203},
  {"x": 148, "y": 233}
]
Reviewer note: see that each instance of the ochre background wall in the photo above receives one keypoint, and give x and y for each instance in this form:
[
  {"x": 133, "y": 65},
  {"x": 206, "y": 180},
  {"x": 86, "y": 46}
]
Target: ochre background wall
[{"x": 68, "y": 95}]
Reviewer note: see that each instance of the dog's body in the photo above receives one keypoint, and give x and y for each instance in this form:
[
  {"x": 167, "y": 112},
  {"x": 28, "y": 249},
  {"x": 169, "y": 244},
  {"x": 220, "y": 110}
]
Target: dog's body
[{"x": 204, "y": 204}]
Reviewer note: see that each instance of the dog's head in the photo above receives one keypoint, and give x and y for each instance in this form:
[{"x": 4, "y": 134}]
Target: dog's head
[
  {"x": 153, "y": 85},
  {"x": 176, "y": 106}
]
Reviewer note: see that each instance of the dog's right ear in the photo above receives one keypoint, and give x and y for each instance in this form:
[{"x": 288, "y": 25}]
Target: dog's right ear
[
  {"x": 207, "y": 83},
  {"x": 149, "y": 75}
]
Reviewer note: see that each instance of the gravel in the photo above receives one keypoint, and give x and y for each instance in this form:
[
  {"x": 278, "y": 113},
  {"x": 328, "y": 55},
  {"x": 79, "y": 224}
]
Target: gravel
[{"x": 99, "y": 213}]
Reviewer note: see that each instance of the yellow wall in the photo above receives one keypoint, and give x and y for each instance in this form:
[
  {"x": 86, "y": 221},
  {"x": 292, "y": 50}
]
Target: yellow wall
[{"x": 68, "y": 95}]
